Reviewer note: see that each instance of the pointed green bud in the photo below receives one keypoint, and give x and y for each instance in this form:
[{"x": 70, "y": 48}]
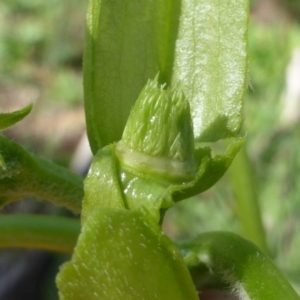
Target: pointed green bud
[{"x": 158, "y": 137}]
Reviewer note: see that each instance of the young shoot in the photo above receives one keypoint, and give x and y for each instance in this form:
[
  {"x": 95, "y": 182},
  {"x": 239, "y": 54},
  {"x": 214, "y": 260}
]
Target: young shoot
[{"x": 158, "y": 138}]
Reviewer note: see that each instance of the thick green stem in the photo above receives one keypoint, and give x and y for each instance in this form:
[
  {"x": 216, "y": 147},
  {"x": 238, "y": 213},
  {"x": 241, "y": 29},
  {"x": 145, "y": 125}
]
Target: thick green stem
[
  {"x": 246, "y": 200},
  {"x": 248, "y": 270},
  {"x": 26, "y": 175},
  {"x": 51, "y": 233}
]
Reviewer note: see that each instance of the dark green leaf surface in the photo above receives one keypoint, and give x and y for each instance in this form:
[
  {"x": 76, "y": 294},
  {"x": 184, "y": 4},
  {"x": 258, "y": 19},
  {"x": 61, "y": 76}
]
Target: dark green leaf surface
[
  {"x": 121, "y": 254},
  {"x": 9, "y": 119}
]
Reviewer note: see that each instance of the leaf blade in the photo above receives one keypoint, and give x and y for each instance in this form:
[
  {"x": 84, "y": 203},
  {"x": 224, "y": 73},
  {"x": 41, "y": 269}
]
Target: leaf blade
[
  {"x": 127, "y": 42},
  {"x": 130, "y": 259},
  {"x": 211, "y": 64},
  {"x": 10, "y": 119}
]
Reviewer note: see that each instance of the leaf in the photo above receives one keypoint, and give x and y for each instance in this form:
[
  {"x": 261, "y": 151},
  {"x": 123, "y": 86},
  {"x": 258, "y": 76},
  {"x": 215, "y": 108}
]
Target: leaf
[
  {"x": 26, "y": 175},
  {"x": 211, "y": 64},
  {"x": 200, "y": 45},
  {"x": 102, "y": 184},
  {"x": 127, "y": 43},
  {"x": 240, "y": 263},
  {"x": 122, "y": 255},
  {"x": 10, "y": 119},
  {"x": 210, "y": 170}
]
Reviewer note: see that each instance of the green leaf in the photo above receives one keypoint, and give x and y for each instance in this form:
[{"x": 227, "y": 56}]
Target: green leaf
[
  {"x": 240, "y": 263},
  {"x": 122, "y": 255},
  {"x": 210, "y": 170},
  {"x": 200, "y": 45},
  {"x": 211, "y": 64},
  {"x": 127, "y": 43},
  {"x": 26, "y": 175},
  {"x": 10, "y": 119}
]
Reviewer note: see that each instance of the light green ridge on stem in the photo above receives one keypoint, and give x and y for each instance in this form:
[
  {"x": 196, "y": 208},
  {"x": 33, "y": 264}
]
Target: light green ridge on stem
[
  {"x": 246, "y": 200},
  {"x": 249, "y": 271},
  {"x": 29, "y": 176},
  {"x": 122, "y": 255},
  {"x": 51, "y": 233}
]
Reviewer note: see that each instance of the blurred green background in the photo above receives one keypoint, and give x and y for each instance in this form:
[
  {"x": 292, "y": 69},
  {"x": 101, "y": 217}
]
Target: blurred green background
[{"x": 41, "y": 46}]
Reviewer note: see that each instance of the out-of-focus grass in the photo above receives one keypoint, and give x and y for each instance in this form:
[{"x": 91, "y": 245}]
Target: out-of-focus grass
[{"x": 42, "y": 45}]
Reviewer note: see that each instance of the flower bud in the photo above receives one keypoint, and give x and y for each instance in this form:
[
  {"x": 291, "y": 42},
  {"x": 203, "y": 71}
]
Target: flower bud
[{"x": 158, "y": 137}]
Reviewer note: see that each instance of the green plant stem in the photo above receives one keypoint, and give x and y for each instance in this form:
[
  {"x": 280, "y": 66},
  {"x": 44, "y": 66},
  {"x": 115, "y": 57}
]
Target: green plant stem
[
  {"x": 246, "y": 200},
  {"x": 26, "y": 175},
  {"x": 51, "y": 233},
  {"x": 248, "y": 270}
]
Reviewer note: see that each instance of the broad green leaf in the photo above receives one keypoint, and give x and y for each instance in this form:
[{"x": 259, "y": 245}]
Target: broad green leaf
[
  {"x": 9, "y": 119},
  {"x": 200, "y": 45},
  {"x": 211, "y": 64},
  {"x": 127, "y": 43},
  {"x": 26, "y": 175},
  {"x": 120, "y": 254},
  {"x": 210, "y": 170},
  {"x": 240, "y": 263}
]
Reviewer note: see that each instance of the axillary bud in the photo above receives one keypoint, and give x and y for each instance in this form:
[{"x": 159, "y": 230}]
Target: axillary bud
[{"x": 158, "y": 138}]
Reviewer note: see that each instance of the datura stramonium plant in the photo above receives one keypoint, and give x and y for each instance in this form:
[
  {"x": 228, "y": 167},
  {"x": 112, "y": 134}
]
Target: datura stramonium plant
[
  {"x": 138, "y": 178},
  {"x": 143, "y": 168},
  {"x": 122, "y": 252}
]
